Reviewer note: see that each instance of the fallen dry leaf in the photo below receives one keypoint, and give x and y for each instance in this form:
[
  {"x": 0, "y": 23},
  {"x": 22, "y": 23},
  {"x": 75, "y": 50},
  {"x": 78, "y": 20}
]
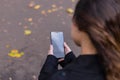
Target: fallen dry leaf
[
  {"x": 30, "y": 19},
  {"x": 73, "y": 0},
  {"x": 27, "y": 32},
  {"x": 54, "y": 6},
  {"x": 15, "y": 53},
  {"x": 49, "y": 11},
  {"x": 44, "y": 13},
  {"x": 36, "y": 7},
  {"x": 70, "y": 11},
  {"x": 31, "y": 4}
]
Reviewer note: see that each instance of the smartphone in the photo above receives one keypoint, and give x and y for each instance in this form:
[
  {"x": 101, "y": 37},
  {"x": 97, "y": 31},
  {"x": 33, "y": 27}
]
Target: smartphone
[{"x": 57, "y": 40}]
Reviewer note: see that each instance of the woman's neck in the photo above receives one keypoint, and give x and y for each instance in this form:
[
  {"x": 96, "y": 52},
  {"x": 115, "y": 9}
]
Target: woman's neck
[{"x": 87, "y": 48}]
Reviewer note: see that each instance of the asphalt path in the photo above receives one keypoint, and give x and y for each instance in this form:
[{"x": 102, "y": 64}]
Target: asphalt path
[{"x": 25, "y": 25}]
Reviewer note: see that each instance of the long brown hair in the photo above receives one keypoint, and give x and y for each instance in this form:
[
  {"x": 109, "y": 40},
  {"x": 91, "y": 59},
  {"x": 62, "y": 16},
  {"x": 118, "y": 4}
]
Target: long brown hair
[{"x": 100, "y": 19}]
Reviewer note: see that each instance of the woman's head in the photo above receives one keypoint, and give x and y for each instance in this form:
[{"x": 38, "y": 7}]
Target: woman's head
[{"x": 100, "y": 20}]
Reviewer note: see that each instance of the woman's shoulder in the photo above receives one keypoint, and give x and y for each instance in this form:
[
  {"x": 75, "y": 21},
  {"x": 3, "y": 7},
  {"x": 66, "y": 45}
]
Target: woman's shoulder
[{"x": 72, "y": 75}]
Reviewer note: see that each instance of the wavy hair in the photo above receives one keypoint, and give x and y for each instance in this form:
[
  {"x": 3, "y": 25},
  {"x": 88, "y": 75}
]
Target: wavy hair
[{"x": 100, "y": 19}]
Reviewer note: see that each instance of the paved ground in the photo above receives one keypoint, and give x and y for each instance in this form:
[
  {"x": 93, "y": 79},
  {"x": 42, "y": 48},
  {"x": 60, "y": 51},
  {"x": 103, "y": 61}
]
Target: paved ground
[{"x": 17, "y": 16}]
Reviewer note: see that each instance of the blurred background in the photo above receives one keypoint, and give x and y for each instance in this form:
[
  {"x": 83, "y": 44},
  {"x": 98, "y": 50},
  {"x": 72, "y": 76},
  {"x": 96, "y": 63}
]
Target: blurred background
[{"x": 25, "y": 27}]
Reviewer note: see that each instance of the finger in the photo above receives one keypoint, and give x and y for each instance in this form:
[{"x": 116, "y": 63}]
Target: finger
[
  {"x": 61, "y": 60},
  {"x": 65, "y": 44},
  {"x": 50, "y": 52},
  {"x": 51, "y": 47},
  {"x": 67, "y": 48}
]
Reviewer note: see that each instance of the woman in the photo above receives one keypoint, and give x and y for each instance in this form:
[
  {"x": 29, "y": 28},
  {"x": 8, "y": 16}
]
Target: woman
[{"x": 96, "y": 29}]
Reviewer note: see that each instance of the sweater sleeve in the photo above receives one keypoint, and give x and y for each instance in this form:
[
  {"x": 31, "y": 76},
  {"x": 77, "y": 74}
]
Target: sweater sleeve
[
  {"x": 68, "y": 59},
  {"x": 50, "y": 66}
]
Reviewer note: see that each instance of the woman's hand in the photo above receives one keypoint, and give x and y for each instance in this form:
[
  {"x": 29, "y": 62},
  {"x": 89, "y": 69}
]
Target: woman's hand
[
  {"x": 67, "y": 51},
  {"x": 67, "y": 48}
]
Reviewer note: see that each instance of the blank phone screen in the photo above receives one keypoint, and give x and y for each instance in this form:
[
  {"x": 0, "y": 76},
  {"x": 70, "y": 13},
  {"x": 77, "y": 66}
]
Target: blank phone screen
[{"x": 57, "y": 41}]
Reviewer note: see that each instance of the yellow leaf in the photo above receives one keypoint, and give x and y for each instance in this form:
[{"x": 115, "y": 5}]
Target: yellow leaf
[
  {"x": 49, "y": 11},
  {"x": 18, "y": 55},
  {"x": 14, "y": 51},
  {"x": 70, "y": 11},
  {"x": 30, "y": 19},
  {"x": 22, "y": 53},
  {"x": 27, "y": 32},
  {"x": 15, "y": 54},
  {"x": 11, "y": 54},
  {"x": 36, "y": 7},
  {"x": 73, "y": 0}
]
